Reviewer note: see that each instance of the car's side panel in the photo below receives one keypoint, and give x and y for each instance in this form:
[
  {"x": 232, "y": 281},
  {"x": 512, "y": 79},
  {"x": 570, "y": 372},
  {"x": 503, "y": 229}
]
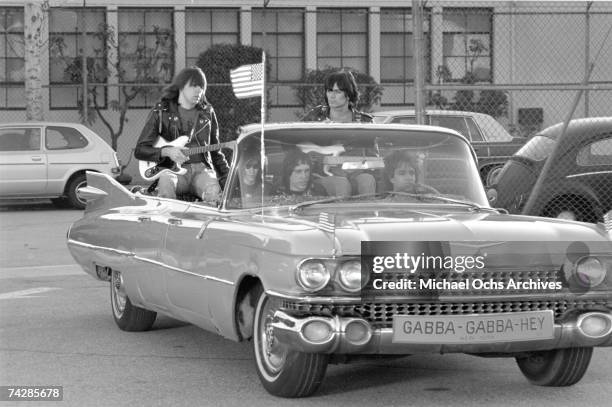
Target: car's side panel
[
  {"x": 186, "y": 254},
  {"x": 23, "y": 173},
  {"x": 23, "y": 163}
]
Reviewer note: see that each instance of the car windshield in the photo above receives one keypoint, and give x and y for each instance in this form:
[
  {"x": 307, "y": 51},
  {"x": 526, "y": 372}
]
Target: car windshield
[{"x": 353, "y": 166}]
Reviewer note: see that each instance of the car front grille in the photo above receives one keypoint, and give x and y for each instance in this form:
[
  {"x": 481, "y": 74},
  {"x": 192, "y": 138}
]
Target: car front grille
[{"x": 381, "y": 314}]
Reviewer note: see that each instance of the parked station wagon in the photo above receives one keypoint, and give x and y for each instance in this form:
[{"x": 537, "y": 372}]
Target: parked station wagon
[
  {"x": 49, "y": 160},
  {"x": 317, "y": 272}
]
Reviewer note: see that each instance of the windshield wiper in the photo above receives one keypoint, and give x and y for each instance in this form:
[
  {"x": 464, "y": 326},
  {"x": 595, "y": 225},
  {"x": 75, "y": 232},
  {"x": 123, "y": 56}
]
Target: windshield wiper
[{"x": 473, "y": 206}]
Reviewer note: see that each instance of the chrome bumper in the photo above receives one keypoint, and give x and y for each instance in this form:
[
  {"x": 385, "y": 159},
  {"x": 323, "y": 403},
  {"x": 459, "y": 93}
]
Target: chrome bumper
[{"x": 289, "y": 331}]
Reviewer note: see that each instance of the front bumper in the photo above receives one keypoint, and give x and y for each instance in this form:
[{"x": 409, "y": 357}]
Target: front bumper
[{"x": 350, "y": 335}]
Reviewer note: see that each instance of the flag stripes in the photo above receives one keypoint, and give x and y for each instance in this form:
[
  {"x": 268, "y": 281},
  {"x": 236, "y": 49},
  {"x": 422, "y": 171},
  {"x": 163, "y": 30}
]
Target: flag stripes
[{"x": 247, "y": 80}]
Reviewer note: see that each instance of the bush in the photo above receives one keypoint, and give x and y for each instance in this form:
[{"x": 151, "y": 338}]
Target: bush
[
  {"x": 311, "y": 93},
  {"x": 216, "y": 62}
]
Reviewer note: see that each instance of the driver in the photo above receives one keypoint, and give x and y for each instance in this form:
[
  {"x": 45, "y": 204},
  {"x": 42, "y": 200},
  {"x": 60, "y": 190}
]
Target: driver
[{"x": 402, "y": 171}]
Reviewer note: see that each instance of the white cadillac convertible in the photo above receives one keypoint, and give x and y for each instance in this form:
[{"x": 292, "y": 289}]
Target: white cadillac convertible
[{"x": 339, "y": 240}]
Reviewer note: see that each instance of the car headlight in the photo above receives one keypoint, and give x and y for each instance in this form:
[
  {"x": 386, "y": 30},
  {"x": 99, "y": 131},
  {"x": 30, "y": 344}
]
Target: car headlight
[
  {"x": 590, "y": 272},
  {"x": 312, "y": 275},
  {"x": 349, "y": 275}
]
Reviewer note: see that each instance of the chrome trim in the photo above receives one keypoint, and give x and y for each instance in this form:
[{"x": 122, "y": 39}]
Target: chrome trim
[
  {"x": 304, "y": 298},
  {"x": 588, "y": 173},
  {"x": 287, "y": 329},
  {"x": 144, "y": 259},
  {"x": 324, "y": 300},
  {"x": 102, "y": 248},
  {"x": 180, "y": 270}
]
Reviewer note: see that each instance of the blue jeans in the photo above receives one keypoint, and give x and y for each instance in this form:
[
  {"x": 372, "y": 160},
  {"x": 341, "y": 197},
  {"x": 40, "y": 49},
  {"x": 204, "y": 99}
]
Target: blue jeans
[{"x": 199, "y": 180}]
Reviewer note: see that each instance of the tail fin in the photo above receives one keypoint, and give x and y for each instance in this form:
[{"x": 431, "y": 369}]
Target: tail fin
[{"x": 103, "y": 191}]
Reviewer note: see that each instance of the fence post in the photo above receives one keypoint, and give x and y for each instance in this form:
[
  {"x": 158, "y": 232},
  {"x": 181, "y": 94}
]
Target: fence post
[
  {"x": 419, "y": 78},
  {"x": 84, "y": 63}
]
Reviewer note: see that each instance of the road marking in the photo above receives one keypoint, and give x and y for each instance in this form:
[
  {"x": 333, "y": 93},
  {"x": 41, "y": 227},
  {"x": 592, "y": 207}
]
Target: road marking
[
  {"x": 41, "y": 271},
  {"x": 29, "y": 293}
]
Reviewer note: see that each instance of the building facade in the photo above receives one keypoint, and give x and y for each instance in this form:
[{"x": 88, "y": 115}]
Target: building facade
[{"x": 537, "y": 54}]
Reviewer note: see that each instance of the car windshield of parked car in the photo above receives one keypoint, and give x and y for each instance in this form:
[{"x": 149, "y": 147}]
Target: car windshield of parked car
[{"x": 349, "y": 165}]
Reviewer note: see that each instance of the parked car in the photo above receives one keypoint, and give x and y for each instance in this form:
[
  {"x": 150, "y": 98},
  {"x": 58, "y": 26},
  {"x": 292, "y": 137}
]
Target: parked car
[
  {"x": 578, "y": 185},
  {"x": 49, "y": 160},
  {"x": 300, "y": 273},
  {"x": 492, "y": 143}
]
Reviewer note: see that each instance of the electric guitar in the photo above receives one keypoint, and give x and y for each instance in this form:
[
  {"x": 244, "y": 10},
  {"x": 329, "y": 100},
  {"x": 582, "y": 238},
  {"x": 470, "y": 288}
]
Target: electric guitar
[{"x": 151, "y": 170}]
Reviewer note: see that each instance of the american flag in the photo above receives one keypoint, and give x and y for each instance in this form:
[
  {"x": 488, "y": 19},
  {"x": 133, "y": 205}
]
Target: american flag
[{"x": 247, "y": 80}]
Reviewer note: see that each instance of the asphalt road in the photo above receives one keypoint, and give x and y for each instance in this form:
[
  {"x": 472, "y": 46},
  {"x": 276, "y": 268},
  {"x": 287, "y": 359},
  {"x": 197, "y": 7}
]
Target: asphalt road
[{"x": 56, "y": 328}]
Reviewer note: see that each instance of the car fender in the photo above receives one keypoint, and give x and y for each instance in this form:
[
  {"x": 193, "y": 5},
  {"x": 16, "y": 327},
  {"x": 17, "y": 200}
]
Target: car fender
[{"x": 569, "y": 187}]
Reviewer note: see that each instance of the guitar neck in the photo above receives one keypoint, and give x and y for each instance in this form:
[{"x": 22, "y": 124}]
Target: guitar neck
[{"x": 204, "y": 149}]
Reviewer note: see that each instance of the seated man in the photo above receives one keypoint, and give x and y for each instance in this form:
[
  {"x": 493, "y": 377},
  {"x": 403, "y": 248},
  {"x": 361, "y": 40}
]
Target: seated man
[
  {"x": 296, "y": 176},
  {"x": 402, "y": 171},
  {"x": 249, "y": 186}
]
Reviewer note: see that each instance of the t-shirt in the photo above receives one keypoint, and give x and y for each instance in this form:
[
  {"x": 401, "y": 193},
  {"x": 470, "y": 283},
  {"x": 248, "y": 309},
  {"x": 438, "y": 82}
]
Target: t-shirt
[{"x": 188, "y": 118}]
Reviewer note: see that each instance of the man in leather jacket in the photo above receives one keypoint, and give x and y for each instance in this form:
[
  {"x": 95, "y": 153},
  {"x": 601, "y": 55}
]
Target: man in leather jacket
[{"x": 184, "y": 111}]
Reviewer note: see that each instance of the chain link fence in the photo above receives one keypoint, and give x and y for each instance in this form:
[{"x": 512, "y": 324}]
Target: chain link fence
[{"x": 527, "y": 65}]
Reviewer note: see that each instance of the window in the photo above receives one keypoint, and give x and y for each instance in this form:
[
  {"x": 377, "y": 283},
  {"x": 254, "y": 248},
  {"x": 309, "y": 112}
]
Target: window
[
  {"x": 66, "y": 45},
  {"x": 452, "y": 122},
  {"x": 64, "y": 138},
  {"x": 205, "y": 27},
  {"x": 596, "y": 153},
  {"x": 475, "y": 133},
  {"x": 342, "y": 39},
  {"x": 12, "y": 61},
  {"x": 20, "y": 139},
  {"x": 467, "y": 43},
  {"x": 284, "y": 46},
  {"x": 146, "y": 51},
  {"x": 397, "y": 54}
]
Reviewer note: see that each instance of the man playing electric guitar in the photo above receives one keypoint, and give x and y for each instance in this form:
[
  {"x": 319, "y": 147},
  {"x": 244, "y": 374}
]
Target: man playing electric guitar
[{"x": 180, "y": 141}]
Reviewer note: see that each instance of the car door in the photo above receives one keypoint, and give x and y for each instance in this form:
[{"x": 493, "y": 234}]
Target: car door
[
  {"x": 23, "y": 163},
  {"x": 66, "y": 149},
  {"x": 188, "y": 253}
]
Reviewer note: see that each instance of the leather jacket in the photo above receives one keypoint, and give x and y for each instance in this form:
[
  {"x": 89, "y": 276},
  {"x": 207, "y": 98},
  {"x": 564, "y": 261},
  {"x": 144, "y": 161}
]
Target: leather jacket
[
  {"x": 321, "y": 113},
  {"x": 164, "y": 121}
]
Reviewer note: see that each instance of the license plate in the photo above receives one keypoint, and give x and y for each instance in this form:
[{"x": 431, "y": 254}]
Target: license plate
[{"x": 474, "y": 328}]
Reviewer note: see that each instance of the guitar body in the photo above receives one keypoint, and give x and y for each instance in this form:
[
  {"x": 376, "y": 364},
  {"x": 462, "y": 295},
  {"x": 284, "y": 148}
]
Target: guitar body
[{"x": 151, "y": 170}]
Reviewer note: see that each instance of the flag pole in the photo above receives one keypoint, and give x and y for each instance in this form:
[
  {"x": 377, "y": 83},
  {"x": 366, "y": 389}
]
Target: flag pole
[{"x": 263, "y": 122}]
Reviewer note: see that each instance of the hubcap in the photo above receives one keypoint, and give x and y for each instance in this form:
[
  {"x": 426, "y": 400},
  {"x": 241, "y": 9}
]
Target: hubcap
[
  {"x": 273, "y": 353},
  {"x": 119, "y": 297},
  {"x": 80, "y": 185}
]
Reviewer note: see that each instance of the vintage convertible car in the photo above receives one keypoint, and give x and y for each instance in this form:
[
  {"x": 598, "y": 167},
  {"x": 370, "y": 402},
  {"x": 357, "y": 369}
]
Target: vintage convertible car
[{"x": 351, "y": 262}]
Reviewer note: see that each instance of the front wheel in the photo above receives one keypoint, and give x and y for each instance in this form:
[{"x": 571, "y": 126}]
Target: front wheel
[
  {"x": 283, "y": 372},
  {"x": 570, "y": 209},
  {"x": 128, "y": 317},
  {"x": 558, "y": 367}
]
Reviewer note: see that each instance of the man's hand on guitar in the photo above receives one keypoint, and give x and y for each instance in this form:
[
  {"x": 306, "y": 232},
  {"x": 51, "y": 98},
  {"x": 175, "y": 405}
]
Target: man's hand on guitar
[{"x": 175, "y": 154}]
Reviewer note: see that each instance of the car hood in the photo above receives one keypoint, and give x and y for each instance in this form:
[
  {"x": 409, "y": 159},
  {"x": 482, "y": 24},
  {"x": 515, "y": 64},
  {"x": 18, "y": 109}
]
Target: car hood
[{"x": 346, "y": 229}]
